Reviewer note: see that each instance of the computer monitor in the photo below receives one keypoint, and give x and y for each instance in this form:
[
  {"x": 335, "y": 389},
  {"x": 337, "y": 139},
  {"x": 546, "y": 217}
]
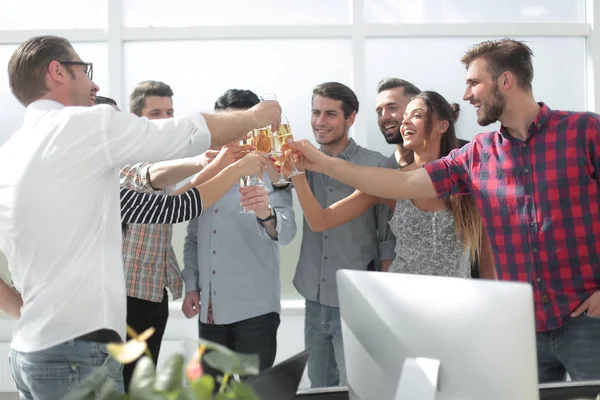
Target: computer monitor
[{"x": 482, "y": 332}]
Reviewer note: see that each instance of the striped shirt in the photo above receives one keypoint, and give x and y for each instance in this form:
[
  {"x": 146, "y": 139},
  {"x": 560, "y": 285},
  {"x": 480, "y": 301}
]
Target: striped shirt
[{"x": 147, "y": 208}]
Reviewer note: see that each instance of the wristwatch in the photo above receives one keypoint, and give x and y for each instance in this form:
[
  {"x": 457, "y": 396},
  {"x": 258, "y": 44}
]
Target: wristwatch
[{"x": 270, "y": 217}]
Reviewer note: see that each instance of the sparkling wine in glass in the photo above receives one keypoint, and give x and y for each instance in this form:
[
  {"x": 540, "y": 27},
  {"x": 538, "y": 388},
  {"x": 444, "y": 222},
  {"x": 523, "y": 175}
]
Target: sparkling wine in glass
[{"x": 285, "y": 133}]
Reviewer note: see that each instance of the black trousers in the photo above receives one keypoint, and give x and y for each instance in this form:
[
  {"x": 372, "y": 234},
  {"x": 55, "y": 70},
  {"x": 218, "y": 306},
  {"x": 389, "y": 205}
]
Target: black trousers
[
  {"x": 257, "y": 335},
  {"x": 141, "y": 315}
]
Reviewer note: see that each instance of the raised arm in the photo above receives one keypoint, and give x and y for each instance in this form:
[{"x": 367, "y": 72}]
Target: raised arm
[
  {"x": 337, "y": 214},
  {"x": 381, "y": 182},
  {"x": 146, "y": 208}
]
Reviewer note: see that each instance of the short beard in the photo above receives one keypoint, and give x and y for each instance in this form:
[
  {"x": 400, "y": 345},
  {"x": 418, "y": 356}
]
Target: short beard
[{"x": 494, "y": 110}]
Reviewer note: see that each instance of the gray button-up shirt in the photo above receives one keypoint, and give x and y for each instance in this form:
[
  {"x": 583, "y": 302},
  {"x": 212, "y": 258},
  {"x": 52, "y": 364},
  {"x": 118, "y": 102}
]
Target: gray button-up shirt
[
  {"x": 232, "y": 255},
  {"x": 353, "y": 245}
]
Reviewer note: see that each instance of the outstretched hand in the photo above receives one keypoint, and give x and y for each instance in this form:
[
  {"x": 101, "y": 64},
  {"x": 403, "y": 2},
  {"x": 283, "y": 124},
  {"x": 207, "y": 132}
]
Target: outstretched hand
[{"x": 305, "y": 155}]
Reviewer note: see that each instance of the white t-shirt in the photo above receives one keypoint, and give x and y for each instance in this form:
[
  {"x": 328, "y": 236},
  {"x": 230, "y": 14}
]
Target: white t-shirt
[{"x": 60, "y": 215}]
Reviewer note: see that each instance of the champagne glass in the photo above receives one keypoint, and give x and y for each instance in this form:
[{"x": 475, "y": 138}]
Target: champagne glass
[
  {"x": 279, "y": 156},
  {"x": 285, "y": 132},
  {"x": 249, "y": 180}
]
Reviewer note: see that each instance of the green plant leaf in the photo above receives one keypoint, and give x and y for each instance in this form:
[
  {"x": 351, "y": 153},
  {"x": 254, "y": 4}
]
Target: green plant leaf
[
  {"x": 232, "y": 363},
  {"x": 110, "y": 392},
  {"x": 88, "y": 387},
  {"x": 141, "y": 386},
  {"x": 212, "y": 345},
  {"x": 243, "y": 391},
  {"x": 170, "y": 377},
  {"x": 203, "y": 387}
]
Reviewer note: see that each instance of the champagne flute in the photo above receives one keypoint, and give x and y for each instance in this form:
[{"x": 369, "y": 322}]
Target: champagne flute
[
  {"x": 285, "y": 131},
  {"x": 249, "y": 180},
  {"x": 279, "y": 156}
]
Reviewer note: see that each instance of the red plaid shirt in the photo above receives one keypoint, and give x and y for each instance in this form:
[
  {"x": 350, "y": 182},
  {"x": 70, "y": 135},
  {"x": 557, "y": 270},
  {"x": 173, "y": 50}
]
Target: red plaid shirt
[{"x": 540, "y": 203}]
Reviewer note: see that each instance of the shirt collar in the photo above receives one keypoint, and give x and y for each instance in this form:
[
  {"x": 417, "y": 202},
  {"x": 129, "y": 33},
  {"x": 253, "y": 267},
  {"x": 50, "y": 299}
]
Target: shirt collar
[
  {"x": 347, "y": 153},
  {"x": 539, "y": 122},
  {"x": 38, "y": 107}
]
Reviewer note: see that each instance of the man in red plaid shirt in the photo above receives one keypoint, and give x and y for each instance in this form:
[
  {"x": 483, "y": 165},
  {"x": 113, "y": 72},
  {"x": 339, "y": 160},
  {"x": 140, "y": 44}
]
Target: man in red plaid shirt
[{"x": 536, "y": 185}]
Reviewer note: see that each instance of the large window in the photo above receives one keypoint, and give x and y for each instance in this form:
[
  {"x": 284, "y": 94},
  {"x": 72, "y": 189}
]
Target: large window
[{"x": 202, "y": 48}]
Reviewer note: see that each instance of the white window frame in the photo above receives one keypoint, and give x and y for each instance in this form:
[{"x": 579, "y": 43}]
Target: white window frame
[{"x": 356, "y": 30}]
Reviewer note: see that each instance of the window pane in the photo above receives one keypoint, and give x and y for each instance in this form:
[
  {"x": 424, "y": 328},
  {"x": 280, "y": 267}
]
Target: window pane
[
  {"x": 419, "y": 11},
  {"x": 433, "y": 64},
  {"x": 200, "y": 71},
  {"x": 59, "y": 14},
  {"x": 235, "y": 12},
  {"x": 12, "y": 111}
]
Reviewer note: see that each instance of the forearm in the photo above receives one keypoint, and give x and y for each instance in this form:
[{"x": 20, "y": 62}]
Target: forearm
[
  {"x": 313, "y": 212},
  {"x": 215, "y": 188},
  {"x": 207, "y": 173},
  {"x": 385, "y": 265},
  {"x": 167, "y": 173},
  {"x": 227, "y": 127},
  {"x": 382, "y": 182},
  {"x": 10, "y": 300}
]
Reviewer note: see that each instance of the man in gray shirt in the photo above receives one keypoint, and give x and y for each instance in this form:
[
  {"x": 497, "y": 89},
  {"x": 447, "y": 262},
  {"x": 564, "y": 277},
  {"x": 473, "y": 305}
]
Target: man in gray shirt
[
  {"x": 355, "y": 245},
  {"x": 232, "y": 260}
]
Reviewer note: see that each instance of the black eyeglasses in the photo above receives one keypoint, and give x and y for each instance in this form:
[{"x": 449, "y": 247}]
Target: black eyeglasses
[{"x": 89, "y": 68}]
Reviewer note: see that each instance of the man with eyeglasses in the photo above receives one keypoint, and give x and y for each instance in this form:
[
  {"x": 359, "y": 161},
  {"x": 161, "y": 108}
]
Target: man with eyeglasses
[{"x": 59, "y": 210}]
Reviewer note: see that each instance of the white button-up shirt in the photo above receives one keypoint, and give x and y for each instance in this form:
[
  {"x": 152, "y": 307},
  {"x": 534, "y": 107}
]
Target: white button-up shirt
[{"x": 60, "y": 216}]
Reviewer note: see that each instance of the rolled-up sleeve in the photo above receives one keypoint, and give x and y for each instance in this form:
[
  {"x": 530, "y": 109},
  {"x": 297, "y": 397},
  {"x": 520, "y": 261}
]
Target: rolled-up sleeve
[
  {"x": 137, "y": 177},
  {"x": 282, "y": 203},
  {"x": 191, "y": 272},
  {"x": 450, "y": 174}
]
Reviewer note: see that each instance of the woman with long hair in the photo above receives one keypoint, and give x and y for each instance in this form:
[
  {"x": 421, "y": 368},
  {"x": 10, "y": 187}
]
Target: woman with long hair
[{"x": 433, "y": 237}]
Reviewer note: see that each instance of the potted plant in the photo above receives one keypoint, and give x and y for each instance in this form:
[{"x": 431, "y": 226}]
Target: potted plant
[{"x": 168, "y": 383}]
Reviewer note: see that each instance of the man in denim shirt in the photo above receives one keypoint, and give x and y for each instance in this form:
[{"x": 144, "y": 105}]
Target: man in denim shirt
[{"x": 232, "y": 261}]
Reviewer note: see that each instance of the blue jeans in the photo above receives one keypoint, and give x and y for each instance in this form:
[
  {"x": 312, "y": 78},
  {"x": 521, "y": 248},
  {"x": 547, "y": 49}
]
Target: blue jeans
[
  {"x": 323, "y": 338},
  {"x": 52, "y": 373},
  {"x": 572, "y": 348}
]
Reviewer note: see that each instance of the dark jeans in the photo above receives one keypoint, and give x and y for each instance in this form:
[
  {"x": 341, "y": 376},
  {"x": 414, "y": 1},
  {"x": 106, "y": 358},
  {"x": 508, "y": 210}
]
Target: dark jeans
[
  {"x": 257, "y": 335},
  {"x": 141, "y": 315},
  {"x": 573, "y": 348}
]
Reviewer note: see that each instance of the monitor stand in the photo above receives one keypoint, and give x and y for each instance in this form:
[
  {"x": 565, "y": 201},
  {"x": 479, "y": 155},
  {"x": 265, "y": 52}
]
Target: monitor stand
[{"x": 419, "y": 379}]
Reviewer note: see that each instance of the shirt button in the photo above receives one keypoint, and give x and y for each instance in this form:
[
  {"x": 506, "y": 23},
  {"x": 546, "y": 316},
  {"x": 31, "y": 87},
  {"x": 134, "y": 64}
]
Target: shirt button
[
  {"x": 214, "y": 252},
  {"x": 535, "y": 249},
  {"x": 526, "y": 170},
  {"x": 325, "y": 257},
  {"x": 215, "y": 231},
  {"x": 539, "y": 279},
  {"x": 331, "y": 189},
  {"x": 215, "y": 292},
  {"x": 322, "y": 279},
  {"x": 216, "y": 211},
  {"x": 214, "y": 272},
  {"x": 524, "y": 144},
  {"x": 538, "y": 125},
  {"x": 325, "y": 236},
  {"x": 532, "y": 223},
  {"x": 528, "y": 196}
]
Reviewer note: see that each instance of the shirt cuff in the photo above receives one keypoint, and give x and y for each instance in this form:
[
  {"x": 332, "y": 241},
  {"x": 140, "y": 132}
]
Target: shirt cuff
[
  {"x": 200, "y": 141},
  {"x": 278, "y": 226},
  {"x": 386, "y": 250},
  {"x": 191, "y": 285}
]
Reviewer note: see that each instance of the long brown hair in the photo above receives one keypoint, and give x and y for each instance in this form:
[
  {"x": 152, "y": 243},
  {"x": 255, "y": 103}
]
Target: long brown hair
[{"x": 466, "y": 217}]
